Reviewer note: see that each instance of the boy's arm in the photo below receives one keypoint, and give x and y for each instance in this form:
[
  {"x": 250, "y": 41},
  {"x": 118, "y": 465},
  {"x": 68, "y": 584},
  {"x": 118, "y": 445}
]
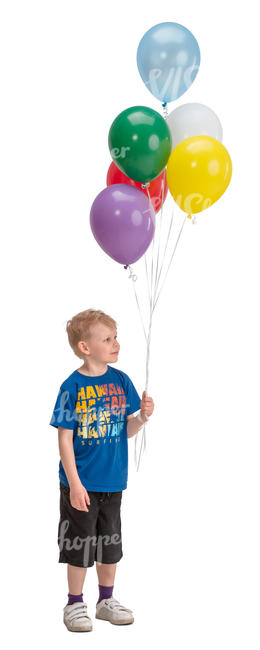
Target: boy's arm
[
  {"x": 133, "y": 425},
  {"x": 146, "y": 408},
  {"x": 65, "y": 437}
]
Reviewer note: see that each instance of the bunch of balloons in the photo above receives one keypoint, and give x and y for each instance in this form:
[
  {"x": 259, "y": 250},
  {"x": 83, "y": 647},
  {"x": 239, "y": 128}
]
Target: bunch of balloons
[
  {"x": 151, "y": 153},
  {"x": 181, "y": 151}
]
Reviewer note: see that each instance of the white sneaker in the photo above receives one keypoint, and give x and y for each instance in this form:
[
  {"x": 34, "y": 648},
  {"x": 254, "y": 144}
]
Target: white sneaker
[
  {"x": 76, "y": 618},
  {"x": 109, "y": 609}
]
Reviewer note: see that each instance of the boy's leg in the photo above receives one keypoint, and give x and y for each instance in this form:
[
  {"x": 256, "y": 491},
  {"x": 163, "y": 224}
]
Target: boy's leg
[
  {"x": 109, "y": 609},
  {"x": 106, "y": 573},
  {"x": 76, "y": 577},
  {"x": 75, "y": 614}
]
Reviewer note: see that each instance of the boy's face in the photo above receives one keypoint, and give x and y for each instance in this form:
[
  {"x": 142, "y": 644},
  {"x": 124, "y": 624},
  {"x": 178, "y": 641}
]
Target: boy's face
[{"x": 102, "y": 344}]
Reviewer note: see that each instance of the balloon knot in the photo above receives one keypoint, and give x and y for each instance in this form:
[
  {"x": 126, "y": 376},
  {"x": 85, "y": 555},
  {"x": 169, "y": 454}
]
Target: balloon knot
[{"x": 131, "y": 276}]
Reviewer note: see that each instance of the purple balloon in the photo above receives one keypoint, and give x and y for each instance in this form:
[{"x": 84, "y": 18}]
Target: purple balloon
[{"x": 122, "y": 220}]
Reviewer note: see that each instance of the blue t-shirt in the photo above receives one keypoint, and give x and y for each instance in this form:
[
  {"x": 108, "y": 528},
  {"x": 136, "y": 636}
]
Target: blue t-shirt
[{"x": 96, "y": 408}]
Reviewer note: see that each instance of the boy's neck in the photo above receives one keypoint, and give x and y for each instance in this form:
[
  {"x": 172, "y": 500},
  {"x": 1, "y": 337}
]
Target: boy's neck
[{"x": 93, "y": 371}]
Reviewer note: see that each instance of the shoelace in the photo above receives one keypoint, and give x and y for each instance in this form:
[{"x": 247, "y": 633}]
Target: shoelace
[
  {"x": 114, "y": 604},
  {"x": 78, "y": 612}
]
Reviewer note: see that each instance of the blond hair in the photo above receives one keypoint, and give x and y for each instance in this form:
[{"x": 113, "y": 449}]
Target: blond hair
[{"x": 79, "y": 328}]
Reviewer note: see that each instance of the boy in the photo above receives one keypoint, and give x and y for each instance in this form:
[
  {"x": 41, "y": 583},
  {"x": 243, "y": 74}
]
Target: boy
[{"x": 94, "y": 415}]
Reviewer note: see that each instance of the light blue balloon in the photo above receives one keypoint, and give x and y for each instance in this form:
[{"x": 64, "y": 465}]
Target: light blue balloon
[{"x": 168, "y": 60}]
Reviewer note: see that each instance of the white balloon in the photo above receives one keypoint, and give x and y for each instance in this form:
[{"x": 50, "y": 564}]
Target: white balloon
[{"x": 193, "y": 119}]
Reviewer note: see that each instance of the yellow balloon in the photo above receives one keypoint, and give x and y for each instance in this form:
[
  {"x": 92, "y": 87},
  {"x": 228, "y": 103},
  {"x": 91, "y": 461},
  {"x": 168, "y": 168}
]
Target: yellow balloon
[{"x": 199, "y": 170}]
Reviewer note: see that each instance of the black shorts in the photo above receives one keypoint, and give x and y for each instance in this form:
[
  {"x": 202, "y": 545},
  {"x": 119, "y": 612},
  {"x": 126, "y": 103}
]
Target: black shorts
[{"x": 85, "y": 537}]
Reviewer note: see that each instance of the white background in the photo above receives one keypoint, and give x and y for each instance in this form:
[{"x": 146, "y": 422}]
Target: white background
[{"x": 190, "y": 516}]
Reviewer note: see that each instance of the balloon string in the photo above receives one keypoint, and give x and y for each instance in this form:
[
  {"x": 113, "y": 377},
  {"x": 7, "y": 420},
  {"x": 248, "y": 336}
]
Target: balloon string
[
  {"x": 151, "y": 301},
  {"x": 143, "y": 439},
  {"x": 165, "y": 115},
  {"x": 161, "y": 213},
  {"x": 148, "y": 338},
  {"x": 165, "y": 249},
  {"x": 145, "y": 187},
  {"x": 147, "y": 278},
  {"x": 178, "y": 238},
  {"x": 152, "y": 307},
  {"x": 133, "y": 277},
  {"x": 152, "y": 293},
  {"x": 163, "y": 187}
]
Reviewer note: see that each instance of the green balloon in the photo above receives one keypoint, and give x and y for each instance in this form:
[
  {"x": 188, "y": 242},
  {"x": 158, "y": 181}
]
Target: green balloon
[{"x": 139, "y": 141}]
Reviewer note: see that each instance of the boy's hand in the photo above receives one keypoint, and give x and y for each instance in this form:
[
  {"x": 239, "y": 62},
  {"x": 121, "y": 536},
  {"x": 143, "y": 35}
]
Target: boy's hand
[
  {"x": 146, "y": 406},
  {"x": 79, "y": 497}
]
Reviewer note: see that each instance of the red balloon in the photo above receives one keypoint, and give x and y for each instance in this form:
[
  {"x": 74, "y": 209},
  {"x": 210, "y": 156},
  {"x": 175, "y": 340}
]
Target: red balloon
[{"x": 114, "y": 175}]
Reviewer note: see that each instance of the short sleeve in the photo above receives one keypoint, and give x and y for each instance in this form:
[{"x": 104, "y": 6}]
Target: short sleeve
[
  {"x": 64, "y": 413},
  {"x": 133, "y": 399}
]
